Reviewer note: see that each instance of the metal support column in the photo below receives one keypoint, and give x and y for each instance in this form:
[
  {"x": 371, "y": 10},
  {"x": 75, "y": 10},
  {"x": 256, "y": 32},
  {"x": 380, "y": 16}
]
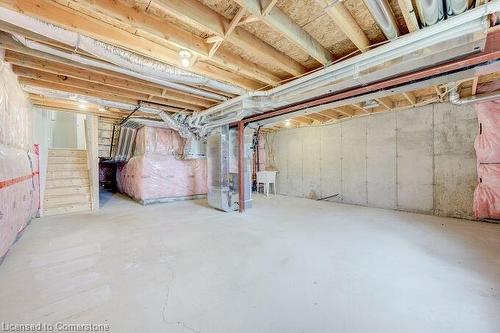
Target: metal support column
[{"x": 241, "y": 165}]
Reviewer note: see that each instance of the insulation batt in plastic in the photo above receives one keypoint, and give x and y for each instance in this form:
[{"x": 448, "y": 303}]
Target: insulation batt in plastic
[
  {"x": 19, "y": 192},
  {"x": 487, "y": 145},
  {"x": 156, "y": 171}
]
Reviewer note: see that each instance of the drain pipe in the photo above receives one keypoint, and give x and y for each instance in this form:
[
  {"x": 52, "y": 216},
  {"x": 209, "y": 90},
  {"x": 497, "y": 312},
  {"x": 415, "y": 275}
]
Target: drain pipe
[{"x": 454, "y": 97}]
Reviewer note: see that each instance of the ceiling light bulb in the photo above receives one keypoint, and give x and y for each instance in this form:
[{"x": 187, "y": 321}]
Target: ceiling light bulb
[
  {"x": 185, "y": 54},
  {"x": 185, "y": 62},
  {"x": 287, "y": 123}
]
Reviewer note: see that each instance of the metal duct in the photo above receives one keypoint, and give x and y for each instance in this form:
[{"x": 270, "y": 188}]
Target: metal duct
[
  {"x": 104, "y": 65},
  {"x": 457, "y": 37},
  {"x": 112, "y": 54},
  {"x": 454, "y": 97},
  {"x": 430, "y": 11},
  {"x": 125, "y": 144},
  {"x": 383, "y": 15}
]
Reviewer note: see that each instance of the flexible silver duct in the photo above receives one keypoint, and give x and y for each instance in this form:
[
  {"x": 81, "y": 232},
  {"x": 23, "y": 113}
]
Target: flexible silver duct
[
  {"x": 454, "y": 97},
  {"x": 104, "y": 65},
  {"x": 430, "y": 11},
  {"x": 112, "y": 54},
  {"x": 383, "y": 15}
]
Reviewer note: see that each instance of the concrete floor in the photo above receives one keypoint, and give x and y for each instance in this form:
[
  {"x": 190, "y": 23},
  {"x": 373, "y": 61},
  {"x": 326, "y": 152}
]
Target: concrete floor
[{"x": 288, "y": 265}]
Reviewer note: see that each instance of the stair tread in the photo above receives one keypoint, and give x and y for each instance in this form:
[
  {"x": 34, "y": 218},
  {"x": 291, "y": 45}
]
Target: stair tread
[
  {"x": 68, "y": 186},
  {"x": 66, "y": 210},
  {"x": 67, "y": 195}
]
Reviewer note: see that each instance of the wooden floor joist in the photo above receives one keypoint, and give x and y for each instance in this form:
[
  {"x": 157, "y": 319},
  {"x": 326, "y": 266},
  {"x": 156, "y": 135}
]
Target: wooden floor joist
[{"x": 68, "y": 18}]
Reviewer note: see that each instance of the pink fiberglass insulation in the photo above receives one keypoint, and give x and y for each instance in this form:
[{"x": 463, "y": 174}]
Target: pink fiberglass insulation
[
  {"x": 487, "y": 193},
  {"x": 19, "y": 193},
  {"x": 156, "y": 172},
  {"x": 487, "y": 145}
]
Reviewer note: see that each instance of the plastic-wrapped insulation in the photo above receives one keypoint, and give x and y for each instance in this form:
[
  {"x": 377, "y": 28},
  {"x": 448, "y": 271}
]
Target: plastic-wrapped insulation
[{"x": 118, "y": 56}]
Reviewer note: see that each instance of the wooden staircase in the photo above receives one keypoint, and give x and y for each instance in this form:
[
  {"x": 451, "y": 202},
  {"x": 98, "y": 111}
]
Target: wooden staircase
[{"x": 67, "y": 187}]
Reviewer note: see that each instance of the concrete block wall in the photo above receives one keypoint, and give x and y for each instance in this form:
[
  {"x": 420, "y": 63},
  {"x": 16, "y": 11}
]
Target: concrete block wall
[{"x": 419, "y": 160}]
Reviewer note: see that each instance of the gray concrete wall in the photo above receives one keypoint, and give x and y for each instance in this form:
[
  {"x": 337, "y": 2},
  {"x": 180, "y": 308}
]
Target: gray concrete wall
[{"x": 420, "y": 160}]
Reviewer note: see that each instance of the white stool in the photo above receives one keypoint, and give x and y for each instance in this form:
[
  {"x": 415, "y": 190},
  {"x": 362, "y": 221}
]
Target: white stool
[{"x": 267, "y": 178}]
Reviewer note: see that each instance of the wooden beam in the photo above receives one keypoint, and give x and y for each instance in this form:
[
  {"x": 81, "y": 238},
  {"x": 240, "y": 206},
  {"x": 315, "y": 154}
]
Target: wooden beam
[
  {"x": 409, "y": 16},
  {"x": 75, "y": 90},
  {"x": 410, "y": 97},
  {"x": 157, "y": 30},
  {"x": 283, "y": 24},
  {"x": 303, "y": 120},
  {"x": 385, "y": 102},
  {"x": 250, "y": 19},
  {"x": 234, "y": 22},
  {"x": 196, "y": 13},
  {"x": 344, "y": 20},
  {"x": 332, "y": 114},
  {"x": 474, "y": 85},
  {"x": 358, "y": 108},
  {"x": 342, "y": 110},
  {"x": 129, "y": 84},
  {"x": 74, "y": 106},
  {"x": 319, "y": 117},
  {"x": 6, "y": 42},
  {"x": 98, "y": 87},
  {"x": 71, "y": 19},
  {"x": 268, "y": 6}
]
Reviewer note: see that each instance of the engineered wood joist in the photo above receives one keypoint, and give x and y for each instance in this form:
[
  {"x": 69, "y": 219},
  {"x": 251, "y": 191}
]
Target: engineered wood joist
[
  {"x": 71, "y": 19},
  {"x": 23, "y": 56},
  {"x": 97, "y": 87},
  {"x": 409, "y": 15},
  {"x": 157, "y": 30},
  {"x": 283, "y": 24},
  {"x": 196, "y": 13}
]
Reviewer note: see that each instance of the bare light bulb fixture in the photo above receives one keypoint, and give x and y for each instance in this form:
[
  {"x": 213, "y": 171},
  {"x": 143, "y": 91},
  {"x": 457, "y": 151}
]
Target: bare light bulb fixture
[
  {"x": 83, "y": 103},
  {"x": 185, "y": 58}
]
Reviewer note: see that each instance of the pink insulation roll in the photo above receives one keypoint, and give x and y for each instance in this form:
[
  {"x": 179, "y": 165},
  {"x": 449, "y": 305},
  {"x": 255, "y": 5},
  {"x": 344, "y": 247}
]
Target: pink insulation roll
[
  {"x": 487, "y": 193},
  {"x": 157, "y": 173},
  {"x": 487, "y": 145},
  {"x": 487, "y": 142}
]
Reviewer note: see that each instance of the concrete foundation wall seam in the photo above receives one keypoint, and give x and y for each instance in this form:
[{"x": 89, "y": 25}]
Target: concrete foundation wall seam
[{"x": 385, "y": 160}]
